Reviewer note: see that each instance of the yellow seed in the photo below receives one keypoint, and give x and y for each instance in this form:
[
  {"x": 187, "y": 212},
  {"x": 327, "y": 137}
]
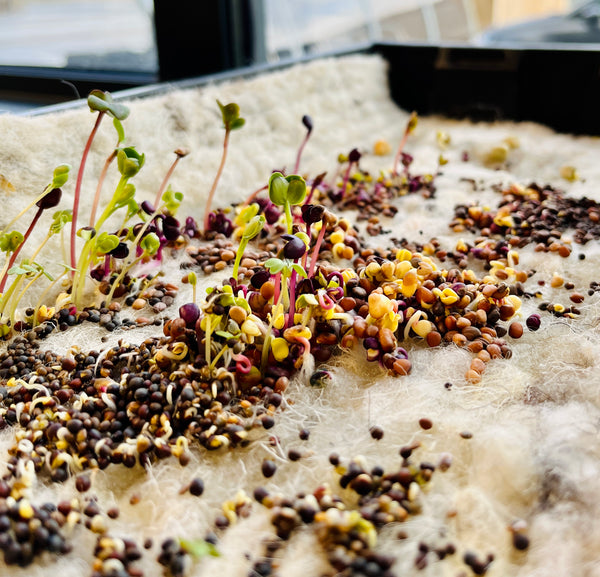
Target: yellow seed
[
  {"x": 338, "y": 249},
  {"x": 279, "y": 321},
  {"x": 387, "y": 270},
  {"x": 337, "y": 236},
  {"x": 25, "y": 509},
  {"x": 422, "y": 328},
  {"x": 557, "y": 281},
  {"x": 379, "y": 305},
  {"x": 449, "y": 297},
  {"x": 238, "y": 314},
  {"x": 402, "y": 268},
  {"x": 515, "y": 301},
  {"x": 280, "y": 349},
  {"x": 569, "y": 173},
  {"x": 249, "y": 327},
  {"x": 372, "y": 269},
  {"x": 382, "y": 148},
  {"x": 403, "y": 254},
  {"x": 559, "y": 308}
]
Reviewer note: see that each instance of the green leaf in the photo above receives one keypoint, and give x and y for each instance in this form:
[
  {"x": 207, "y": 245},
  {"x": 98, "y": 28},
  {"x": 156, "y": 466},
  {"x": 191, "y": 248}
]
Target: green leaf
[
  {"x": 192, "y": 278},
  {"x": 274, "y": 265},
  {"x": 10, "y": 241},
  {"x": 231, "y": 115},
  {"x": 296, "y": 190},
  {"x": 172, "y": 199},
  {"x": 59, "y": 219},
  {"x": 199, "y": 548},
  {"x": 60, "y": 176},
  {"x": 299, "y": 270},
  {"x": 254, "y": 227},
  {"x": 237, "y": 123},
  {"x": 100, "y": 101},
  {"x": 278, "y": 188},
  {"x": 130, "y": 161},
  {"x": 224, "y": 334},
  {"x": 119, "y": 128},
  {"x": 86, "y": 233},
  {"x": 150, "y": 243},
  {"x": 106, "y": 242},
  {"x": 126, "y": 197}
]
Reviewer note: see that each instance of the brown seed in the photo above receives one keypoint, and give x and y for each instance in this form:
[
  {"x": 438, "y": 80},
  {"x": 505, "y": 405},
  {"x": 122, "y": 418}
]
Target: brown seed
[
  {"x": 425, "y": 423},
  {"x": 268, "y": 468},
  {"x": 387, "y": 340},
  {"x": 220, "y": 265},
  {"x": 466, "y": 435},
  {"x": 227, "y": 255},
  {"x": 473, "y": 377},
  {"x": 433, "y": 339},
  {"x": 267, "y": 290},
  {"x": 515, "y": 330},
  {"x": 376, "y": 432},
  {"x": 138, "y": 304},
  {"x": 402, "y": 366},
  {"x": 577, "y": 298},
  {"x": 478, "y": 366}
]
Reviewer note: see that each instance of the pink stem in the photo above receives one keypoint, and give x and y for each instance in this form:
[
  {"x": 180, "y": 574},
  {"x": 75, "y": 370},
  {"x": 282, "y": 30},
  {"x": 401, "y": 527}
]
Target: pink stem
[
  {"x": 399, "y": 153},
  {"x": 315, "y": 254},
  {"x": 277, "y": 288},
  {"x": 77, "y": 193},
  {"x": 251, "y": 198},
  {"x": 346, "y": 178},
  {"x": 305, "y": 343},
  {"x": 305, "y": 255},
  {"x": 242, "y": 364},
  {"x": 325, "y": 302},
  {"x": 165, "y": 181},
  {"x": 300, "y": 150},
  {"x": 14, "y": 255},
  {"x": 211, "y": 194}
]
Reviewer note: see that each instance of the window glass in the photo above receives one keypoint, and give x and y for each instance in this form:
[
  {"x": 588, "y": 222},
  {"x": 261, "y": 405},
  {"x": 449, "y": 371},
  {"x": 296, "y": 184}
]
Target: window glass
[
  {"x": 78, "y": 34},
  {"x": 297, "y": 27}
]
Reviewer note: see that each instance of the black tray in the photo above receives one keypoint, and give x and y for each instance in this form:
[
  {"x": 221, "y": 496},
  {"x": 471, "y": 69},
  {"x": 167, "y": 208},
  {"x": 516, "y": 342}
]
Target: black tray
[{"x": 558, "y": 86}]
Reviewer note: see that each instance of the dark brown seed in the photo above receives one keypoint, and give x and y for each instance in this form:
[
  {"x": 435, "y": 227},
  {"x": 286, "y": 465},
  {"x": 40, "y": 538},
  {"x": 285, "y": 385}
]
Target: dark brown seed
[
  {"x": 425, "y": 423},
  {"x": 520, "y": 541},
  {"x": 376, "y": 432},
  {"x": 294, "y": 455},
  {"x": 466, "y": 435},
  {"x": 304, "y": 434},
  {"x": 83, "y": 483},
  {"x": 268, "y": 468},
  {"x": 197, "y": 487}
]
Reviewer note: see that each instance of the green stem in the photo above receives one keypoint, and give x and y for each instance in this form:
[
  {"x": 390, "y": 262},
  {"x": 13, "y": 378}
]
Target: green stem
[
  {"x": 207, "y": 337},
  {"x": 238, "y": 256},
  {"x": 101, "y": 178},
  {"x": 44, "y": 293},
  {"x": 288, "y": 217},
  {"x": 13, "y": 308},
  {"x": 7, "y": 296},
  {"x": 219, "y": 355},
  {"x": 121, "y": 276}
]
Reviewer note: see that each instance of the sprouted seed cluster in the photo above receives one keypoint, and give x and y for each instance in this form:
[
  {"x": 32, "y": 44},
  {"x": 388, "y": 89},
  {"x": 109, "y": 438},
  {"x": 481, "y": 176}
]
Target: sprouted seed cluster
[{"x": 305, "y": 286}]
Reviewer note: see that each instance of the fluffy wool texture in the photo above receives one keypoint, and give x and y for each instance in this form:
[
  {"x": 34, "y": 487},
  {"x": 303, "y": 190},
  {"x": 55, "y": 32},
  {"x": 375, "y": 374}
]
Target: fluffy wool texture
[{"x": 534, "y": 453}]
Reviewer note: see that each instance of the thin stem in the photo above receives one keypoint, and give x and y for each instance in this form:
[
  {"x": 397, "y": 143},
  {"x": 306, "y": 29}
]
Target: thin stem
[
  {"x": 346, "y": 178},
  {"x": 34, "y": 201},
  {"x": 21, "y": 294},
  {"x": 44, "y": 293},
  {"x": 101, "y": 178},
  {"x": 292, "y": 309},
  {"x": 77, "y": 193},
  {"x": 315, "y": 254},
  {"x": 238, "y": 256},
  {"x": 251, "y": 198},
  {"x": 288, "y": 217},
  {"x": 207, "y": 337},
  {"x": 120, "y": 277},
  {"x": 165, "y": 181},
  {"x": 16, "y": 252},
  {"x": 300, "y": 150},
  {"x": 211, "y": 194}
]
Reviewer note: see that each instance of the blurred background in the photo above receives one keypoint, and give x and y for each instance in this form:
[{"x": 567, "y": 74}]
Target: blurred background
[{"x": 54, "y": 50}]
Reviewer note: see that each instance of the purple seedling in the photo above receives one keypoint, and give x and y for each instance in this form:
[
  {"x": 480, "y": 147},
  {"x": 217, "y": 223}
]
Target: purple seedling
[
  {"x": 307, "y": 121},
  {"x": 410, "y": 127}
]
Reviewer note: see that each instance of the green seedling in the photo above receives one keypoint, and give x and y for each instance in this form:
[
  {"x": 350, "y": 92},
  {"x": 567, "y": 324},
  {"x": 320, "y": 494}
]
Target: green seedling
[
  {"x": 102, "y": 103},
  {"x": 231, "y": 121},
  {"x": 179, "y": 154},
  {"x": 286, "y": 191},
  {"x": 251, "y": 230},
  {"x": 49, "y": 200}
]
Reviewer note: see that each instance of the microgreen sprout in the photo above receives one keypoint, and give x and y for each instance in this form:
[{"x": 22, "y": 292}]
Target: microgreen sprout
[
  {"x": 102, "y": 103},
  {"x": 179, "y": 154},
  {"x": 308, "y": 124},
  {"x": 49, "y": 200},
  {"x": 410, "y": 127},
  {"x": 231, "y": 121},
  {"x": 251, "y": 230},
  {"x": 353, "y": 159},
  {"x": 287, "y": 191}
]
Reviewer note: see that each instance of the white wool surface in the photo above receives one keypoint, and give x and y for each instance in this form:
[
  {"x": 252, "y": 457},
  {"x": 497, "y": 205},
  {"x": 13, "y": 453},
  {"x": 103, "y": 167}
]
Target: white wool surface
[{"x": 535, "y": 418}]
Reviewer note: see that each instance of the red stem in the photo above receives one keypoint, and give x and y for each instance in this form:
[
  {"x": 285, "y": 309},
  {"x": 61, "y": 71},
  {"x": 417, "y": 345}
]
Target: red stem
[
  {"x": 14, "y": 255},
  {"x": 165, "y": 181},
  {"x": 277, "y": 288},
  {"x": 399, "y": 153},
  {"x": 107, "y": 163},
  {"x": 251, "y": 198},
  {"x": 77, "y": 193},
  {"x": 346, "y": 178},
  {"x": 315, "y": 254}
]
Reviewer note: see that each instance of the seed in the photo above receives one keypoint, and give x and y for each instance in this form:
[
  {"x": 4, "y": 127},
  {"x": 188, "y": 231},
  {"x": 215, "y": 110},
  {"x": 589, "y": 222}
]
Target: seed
[
  {"x": 139, "y": 304},
  {"x": 433, "y": 339},
  {"x": 196, "y": 487},
  {"x": 533, "y": 322},
  {"x": 376, "y": 432},
  {"x": 425, "y": 423},
  {"x": 520, "y": 541},
  {"x": 83, "y": 483},
  {"x": 577, "y": 298},
  {"x": 294, "y": 455},
  {"x": 515, "y": 330},
  {"x": 466, "y": 435},
  {"x": 227, "y": 255},
  {"x": 268, "y": 468},
  {"x": 304, "y": 434}
]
